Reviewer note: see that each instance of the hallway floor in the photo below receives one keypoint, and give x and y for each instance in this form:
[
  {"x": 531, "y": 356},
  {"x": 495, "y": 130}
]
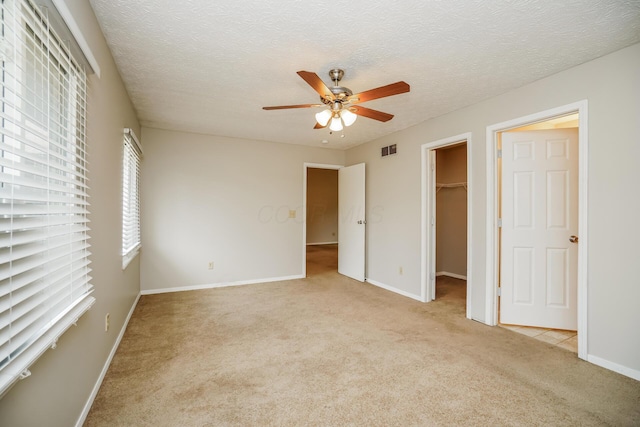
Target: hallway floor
[{"x": 558, "y": 337}]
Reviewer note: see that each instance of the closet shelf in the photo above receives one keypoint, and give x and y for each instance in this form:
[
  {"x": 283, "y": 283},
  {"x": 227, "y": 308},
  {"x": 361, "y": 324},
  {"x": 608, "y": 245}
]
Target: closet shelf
[{"x": 440, "y": 186}]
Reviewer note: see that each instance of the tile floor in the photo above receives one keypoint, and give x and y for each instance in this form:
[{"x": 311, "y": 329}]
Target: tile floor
[
  {"x": 563, "y": 339},
  {"x": 567, "y": 340}
]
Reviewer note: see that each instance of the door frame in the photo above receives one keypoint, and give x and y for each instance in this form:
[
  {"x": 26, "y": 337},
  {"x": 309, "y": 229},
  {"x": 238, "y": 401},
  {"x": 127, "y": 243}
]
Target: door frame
[
  {"x": 492, "y": 248},
  {"x": 428, "y": 236},
  {"x": 305, "y": 169}
]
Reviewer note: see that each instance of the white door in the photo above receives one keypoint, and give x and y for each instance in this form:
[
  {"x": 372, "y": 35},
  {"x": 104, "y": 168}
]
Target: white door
[
  {"x": 351, "y": 221},
  {"x": 539, "y": 250}
]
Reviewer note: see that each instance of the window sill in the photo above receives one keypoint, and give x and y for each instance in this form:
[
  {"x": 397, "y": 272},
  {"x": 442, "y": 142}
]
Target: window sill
[
  {"x": 19, "y": 368},
  {"x": 129, "y": 256}
]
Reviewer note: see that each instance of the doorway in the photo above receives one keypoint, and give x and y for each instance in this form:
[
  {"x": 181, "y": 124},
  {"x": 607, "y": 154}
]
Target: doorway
[
  {"x": 499, "y": 259},
  {"x": 351, "y": 219},
  {"x": 321, "y": 221},
  {"x": 538, "y": 190},
  {"x": 451, "y": 221},
  {"x": 320, "y": 213},
  {"x": 444, "y": 234}
]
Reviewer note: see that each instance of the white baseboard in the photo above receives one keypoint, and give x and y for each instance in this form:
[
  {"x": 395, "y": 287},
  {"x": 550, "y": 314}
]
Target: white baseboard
[
  {"x": 105, "y": 368},
  {"x": 623, "y": 370},
  {"x": 395, "y": 290},
  {"x": 322, "y": 243},
  {"x": 219, "y": 285},
  {"x": 454, "y": 275}
]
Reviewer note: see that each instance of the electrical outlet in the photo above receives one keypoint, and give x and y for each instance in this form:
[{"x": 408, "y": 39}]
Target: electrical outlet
[
  {"x": 210, "y": 265},
  {"x": 107, "y": 319}
]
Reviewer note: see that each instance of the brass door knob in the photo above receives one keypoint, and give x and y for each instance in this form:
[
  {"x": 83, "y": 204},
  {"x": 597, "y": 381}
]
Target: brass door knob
[{"x": 573, "y": 239}]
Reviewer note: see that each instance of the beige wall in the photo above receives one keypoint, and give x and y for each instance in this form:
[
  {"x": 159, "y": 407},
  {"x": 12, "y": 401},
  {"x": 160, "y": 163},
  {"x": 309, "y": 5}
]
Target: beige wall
[
  {"x": 611, "y": 85},
  {"x": 63, "y": 379},
  {"x": 219, "y": 199},
  {"x": 222, "y": 200},
  {"x": 451, "y": 211},
  {"x": 322, "y": 206}
]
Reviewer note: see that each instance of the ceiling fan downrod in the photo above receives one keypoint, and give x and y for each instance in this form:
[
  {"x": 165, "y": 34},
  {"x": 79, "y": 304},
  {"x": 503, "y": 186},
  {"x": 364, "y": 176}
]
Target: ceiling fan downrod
[{"x": 336, "y": 75}]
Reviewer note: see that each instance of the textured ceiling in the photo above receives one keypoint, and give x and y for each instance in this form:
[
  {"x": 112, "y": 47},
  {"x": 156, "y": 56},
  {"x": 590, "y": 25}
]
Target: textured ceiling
[{"x": 209, "y": 67}]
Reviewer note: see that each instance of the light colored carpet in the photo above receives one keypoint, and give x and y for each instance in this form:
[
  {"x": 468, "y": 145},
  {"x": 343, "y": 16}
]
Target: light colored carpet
[{"x": 330, "y": 351}]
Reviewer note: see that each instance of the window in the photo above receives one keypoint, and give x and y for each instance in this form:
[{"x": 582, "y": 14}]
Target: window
[
  {"x": 44, "y": 246},
  {"x": 130, "y": 197}
]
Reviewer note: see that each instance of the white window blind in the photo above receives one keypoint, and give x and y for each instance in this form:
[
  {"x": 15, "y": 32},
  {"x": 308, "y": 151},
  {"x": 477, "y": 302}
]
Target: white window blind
[
  {"x": 44, "y": 245},
  {"x": 130, "y": 197}
]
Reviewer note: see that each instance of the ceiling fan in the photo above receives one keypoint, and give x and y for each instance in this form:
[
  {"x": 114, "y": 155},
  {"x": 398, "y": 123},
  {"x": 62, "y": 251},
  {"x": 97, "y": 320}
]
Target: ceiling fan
[{"x": 341, "y": 103}]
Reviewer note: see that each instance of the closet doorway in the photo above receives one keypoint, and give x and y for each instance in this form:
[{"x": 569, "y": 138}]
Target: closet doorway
[
  {"x": 451, "y": 222},
  {"x": 446, "y": 221}
]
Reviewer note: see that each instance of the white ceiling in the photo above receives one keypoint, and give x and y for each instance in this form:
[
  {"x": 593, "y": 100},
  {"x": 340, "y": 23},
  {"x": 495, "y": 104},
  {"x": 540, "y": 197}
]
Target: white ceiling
[{"x": 210, "y": 66}]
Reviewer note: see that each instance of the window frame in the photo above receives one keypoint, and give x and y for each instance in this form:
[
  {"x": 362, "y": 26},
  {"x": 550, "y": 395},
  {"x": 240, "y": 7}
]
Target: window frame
[
  {"x": 131, "y": 221},
  {"x": 45, "y": 286}
]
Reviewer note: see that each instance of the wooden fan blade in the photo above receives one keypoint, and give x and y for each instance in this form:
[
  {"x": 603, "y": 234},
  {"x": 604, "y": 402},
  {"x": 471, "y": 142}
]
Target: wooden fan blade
[
  {"x": 319, "y": 126},
  {"x": 317, "y": 84},
  {"x": 372, "y": 114},
  {"x": 380, "y": 92},
  {"x": 283, "y": 107}
]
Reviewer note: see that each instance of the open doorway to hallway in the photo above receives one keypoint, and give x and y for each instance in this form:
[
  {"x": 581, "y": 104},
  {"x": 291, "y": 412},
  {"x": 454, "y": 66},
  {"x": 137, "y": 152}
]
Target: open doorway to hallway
[{"x": 321, "y": 220}]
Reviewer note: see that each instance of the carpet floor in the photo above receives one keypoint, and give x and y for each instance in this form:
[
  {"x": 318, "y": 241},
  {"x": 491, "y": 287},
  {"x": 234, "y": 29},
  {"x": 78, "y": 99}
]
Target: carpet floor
[{"x": 331, "y": 351}]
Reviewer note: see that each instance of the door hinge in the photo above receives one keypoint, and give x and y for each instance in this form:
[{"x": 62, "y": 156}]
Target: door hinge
[
  {"x": 499, "y": 291},
  {"x": 499, "y": 222},
  {"x": 433, "y": 276},
  {"x": 499, "y": 154},
  {"x": 433, "y": 221}
]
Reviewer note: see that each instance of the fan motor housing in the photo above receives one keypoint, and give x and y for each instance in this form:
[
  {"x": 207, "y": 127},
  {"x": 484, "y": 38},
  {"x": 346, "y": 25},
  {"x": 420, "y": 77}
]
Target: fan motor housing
[{"x": 340, "y": 92}]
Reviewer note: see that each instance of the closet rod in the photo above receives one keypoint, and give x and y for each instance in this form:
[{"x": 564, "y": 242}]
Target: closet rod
[{"x": 451, "y": 185}]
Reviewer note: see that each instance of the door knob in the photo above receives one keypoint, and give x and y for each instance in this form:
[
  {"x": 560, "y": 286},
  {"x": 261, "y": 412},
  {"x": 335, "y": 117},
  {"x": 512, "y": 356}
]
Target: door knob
[{"x": 573, "y": 239}]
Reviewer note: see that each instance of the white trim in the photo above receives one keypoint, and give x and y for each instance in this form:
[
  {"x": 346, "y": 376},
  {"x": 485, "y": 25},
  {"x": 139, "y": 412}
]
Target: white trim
[
  {"x": 305, "y": 167},
  {"x": 322, "y": 243},
  {"x": 219, "y": 285},
  {"x": 426, "y": 239},
  {"x": 394, "y": 290},
  {"x": 73, "y": 27},
  {"x": 322, "y": 166},
  {"x": 491, "y": 302},
  {"x": 453, "y": 275},
  {"x": 623, "y": 370},
  {"x": 583, "y": 209},
  {"x": 133, "y": 136},
  {"x": 130, "y": 256},
  {"x": 14, "y": 371},
  {"x": 105, "y": 368}
]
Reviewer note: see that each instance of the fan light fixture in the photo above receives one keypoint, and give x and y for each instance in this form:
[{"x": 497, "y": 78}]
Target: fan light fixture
[
  {"x": 348, "y": 117},
  {"x": 323, "y": 117},
  {"x": 337, "y": 118}
]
